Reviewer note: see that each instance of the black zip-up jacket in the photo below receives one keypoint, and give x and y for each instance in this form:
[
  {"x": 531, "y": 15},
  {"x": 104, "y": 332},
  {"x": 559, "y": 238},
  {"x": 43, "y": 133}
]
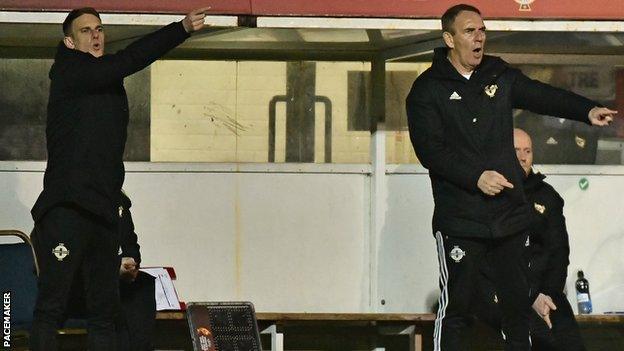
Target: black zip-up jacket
[
  {"x": 550, "y": 248},
  {"x": 87, "y": 121},
  {"x": 462, "y": 127}
]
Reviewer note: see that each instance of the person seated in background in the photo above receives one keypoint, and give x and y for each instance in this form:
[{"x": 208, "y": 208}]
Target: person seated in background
[
  {"x": 552, "y": 325},
  {"x": 135, "y": 322},
  {"x": 135, "y": 326}
]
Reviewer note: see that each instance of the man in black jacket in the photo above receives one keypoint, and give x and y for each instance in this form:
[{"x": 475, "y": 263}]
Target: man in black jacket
[
  {"x": 460, "y": 121},
  {"x": 77, "y": 214},
  {"x": 553, "y": 326}
]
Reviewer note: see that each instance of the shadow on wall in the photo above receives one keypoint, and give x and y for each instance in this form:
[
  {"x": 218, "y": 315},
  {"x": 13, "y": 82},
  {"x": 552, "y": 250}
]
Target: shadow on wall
[
  {"x": 23, "y": 96},
  {"x": 24, "y": 88}
]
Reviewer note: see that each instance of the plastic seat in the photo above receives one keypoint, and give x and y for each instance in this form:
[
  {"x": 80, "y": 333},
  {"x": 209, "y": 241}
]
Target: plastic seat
[{"x": 18, "y": 277}]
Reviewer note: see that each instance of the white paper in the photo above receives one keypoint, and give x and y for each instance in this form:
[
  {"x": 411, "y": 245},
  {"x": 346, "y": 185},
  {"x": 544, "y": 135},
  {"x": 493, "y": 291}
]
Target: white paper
[{"x": 166, "y": 296}]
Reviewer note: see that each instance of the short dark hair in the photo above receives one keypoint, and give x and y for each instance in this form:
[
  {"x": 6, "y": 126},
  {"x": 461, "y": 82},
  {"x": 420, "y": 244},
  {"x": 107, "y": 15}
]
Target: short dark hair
[
  {"x": 448, "y": 18},
  {"x": 75, "y": 13}
]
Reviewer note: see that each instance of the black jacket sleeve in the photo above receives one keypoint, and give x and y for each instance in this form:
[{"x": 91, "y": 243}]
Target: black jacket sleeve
[
  {"x": 128, "y": 238},
  {"x": 558, "y": 247},
  {"x": 85, "y": 71},
  {"x": 427, "y": 136},
  {"x": 545, "y": 99}
]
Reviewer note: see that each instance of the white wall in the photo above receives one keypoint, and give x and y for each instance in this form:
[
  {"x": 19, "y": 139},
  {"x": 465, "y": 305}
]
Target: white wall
[
  {"x": 595, "y": 222},
  {"x": 296, "y": 237}
]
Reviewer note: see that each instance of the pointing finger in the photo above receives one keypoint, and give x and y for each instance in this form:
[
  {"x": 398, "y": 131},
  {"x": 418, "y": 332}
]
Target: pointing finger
[
  {"x": 201, "y": 11},
  {"x": 551, "y": 304},
  {"x": 548, "y": 322}
]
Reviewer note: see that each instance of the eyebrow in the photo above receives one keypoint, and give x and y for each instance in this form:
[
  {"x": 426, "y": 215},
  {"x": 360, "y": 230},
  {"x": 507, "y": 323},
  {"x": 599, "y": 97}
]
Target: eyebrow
[
  {"x": 474, "y": 28},
  {"x": 96, "y": 27}
]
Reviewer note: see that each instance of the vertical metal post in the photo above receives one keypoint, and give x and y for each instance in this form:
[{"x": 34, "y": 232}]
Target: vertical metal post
[
  {"x": 300, "y": 111},
  {"x": 378, "y": 176}
]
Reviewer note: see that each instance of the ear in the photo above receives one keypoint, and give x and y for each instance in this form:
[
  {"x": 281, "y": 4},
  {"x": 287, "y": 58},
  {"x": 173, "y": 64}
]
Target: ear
[
  {"x": 448, "y": 39},
  {"x": 69, "y": 42}
]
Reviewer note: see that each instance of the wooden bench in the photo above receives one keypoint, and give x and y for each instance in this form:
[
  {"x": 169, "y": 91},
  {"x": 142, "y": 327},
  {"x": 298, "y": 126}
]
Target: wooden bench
[
  {"x": 410, "y": 324},
  {"x": 371, "y": 326},
  {"x": 278, "y": 324}
]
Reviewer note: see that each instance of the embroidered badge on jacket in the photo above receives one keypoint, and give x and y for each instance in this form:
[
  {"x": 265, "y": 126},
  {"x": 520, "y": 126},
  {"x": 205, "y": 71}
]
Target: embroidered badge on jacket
[
  {"x": 457, "y": 254},
  {"x": 455, "y": 96},
  {"x": 490, "y": 90},
  {"x": 60, "y": 251},
  {"x": 539, "y": 208}
]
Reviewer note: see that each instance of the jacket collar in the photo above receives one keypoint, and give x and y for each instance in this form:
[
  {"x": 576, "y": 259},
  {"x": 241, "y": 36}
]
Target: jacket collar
[
  {"x": 533, "y": 181},
  {"x": 489, "y": 68},
  {"x": 65, "y": 56},
  {"x": 63, "y": 52}
]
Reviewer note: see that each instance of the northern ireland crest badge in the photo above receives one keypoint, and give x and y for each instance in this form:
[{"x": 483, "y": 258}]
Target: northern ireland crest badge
[{"x": 490, "y": 90}]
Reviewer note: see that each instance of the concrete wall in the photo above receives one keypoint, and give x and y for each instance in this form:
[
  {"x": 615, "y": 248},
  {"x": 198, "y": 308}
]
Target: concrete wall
[
  {"x": 217, "y": 111},
  {"x": 297, "y": 237}
]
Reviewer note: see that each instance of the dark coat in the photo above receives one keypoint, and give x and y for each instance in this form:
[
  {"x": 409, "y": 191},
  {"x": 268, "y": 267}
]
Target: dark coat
[
  {"x": 550, "y": 248},
  {"x": 87, "y": 121},
  {"x": 459, "y": 131}
]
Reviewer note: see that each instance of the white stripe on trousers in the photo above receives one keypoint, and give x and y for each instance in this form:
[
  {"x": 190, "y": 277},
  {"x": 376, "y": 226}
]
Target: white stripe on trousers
[{"x": 443, "y": 302}]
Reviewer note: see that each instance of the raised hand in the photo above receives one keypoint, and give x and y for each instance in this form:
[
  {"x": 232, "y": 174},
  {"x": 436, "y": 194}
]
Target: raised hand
[
  {"x": 601, "y": 116},
  {"x": 194, "y": 20}
]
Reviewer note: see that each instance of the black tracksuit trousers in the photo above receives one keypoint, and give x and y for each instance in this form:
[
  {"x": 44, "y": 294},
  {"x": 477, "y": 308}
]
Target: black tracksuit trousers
[
  {"x": 460, "y": 261},
  {"x": 72, "y": 242}
]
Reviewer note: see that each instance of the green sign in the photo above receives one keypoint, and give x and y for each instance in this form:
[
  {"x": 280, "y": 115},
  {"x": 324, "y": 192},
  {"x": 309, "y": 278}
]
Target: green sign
[{"x": 583, "y": 183}]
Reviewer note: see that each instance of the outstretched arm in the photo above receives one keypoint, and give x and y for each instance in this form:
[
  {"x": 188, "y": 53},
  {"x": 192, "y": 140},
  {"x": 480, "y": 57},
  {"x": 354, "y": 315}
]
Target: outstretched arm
[
  {"x": 545, "y": 99},
  {"x": 86, "y": 72}
]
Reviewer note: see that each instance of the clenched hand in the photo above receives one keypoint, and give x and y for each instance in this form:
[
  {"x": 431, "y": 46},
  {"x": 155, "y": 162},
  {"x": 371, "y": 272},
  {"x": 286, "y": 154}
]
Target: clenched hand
[{"x": 128, "y": 270}]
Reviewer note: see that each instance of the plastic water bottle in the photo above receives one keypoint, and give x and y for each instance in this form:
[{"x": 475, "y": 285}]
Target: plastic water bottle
[{"x": 582, "y": 294}]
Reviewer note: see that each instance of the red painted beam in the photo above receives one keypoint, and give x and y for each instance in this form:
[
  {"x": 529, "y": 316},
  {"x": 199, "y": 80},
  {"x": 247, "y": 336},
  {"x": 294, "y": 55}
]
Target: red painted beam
[
  {"x": 504, "y": 9},
  {"x": 221, "y": 7},
  {"x": 526, "y": 9}
]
